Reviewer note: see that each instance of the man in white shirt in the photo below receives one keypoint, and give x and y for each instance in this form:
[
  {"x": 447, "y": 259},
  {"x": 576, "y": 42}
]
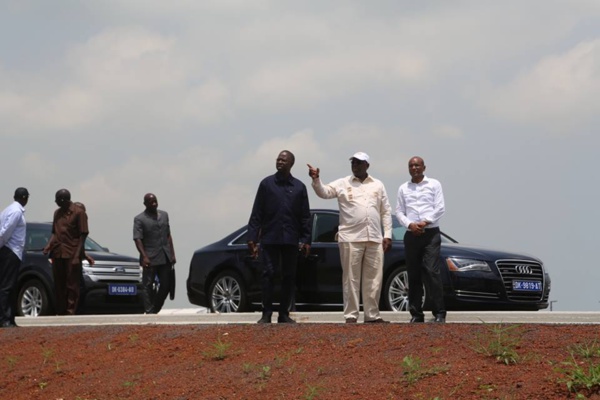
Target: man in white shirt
[
  {"x": 420, "y": 207},
  {"x": 365, "y": 213},
  {"x": 12, "y": 243}
]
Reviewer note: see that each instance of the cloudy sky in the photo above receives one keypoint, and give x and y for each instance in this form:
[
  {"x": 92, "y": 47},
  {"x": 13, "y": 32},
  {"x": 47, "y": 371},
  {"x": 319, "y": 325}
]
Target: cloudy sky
[{"x": 193, "y": 100}]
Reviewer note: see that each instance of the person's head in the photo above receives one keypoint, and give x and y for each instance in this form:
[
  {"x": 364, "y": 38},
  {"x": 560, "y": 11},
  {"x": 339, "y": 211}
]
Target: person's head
[
  {"x": 63, "y": 198},
  {"x": 151, "y": 202},
  {"x": 21, "y": 196},
  {"x": 285, "y": 162},
  {"x": 360, "y": 164},
  {"x": 416, "y": 169}
]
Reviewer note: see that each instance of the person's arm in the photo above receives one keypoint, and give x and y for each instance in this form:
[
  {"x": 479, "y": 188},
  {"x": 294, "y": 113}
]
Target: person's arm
[
  {"x": 255, "y": 222},
  {"x": 77, "y": 256},
  {"x": 8, "y": 227},
  {"x": 82, "y": 221},
  {"x": 49, "y": 245},
  {"x": 323, "y": 191},
  {"x": 386, "y": 220},
  {"x": 138, "y": 235},
  {"x": 140, "y": 248},
  {"x": 439, "y": 206},
  {"x": 306, "y": 225}
]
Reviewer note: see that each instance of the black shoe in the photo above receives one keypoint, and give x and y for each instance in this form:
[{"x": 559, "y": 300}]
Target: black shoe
[
  {"x": 266, "y": 319},
  {"x": 377, "y": 321},
  {"x": 8, "y": 324},
  {"x": 414, "y": 320},
  {"x": 285, "y": 319},
  {"x": 440, "y": 319}
]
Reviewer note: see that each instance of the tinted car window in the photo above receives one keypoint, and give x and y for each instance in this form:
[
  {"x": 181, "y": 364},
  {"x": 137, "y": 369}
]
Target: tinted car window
[
  {"x": 325, "y": 228},
  {"x": 37, "y": 238}
]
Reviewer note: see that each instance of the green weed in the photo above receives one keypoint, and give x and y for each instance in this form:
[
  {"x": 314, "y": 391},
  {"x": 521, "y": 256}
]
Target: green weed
[
  {"x": 11, "y": 361},
  {"x": 265, "y": 372},
  {"x": 413, "y": 369},
  {"x": 580, "y": 376},
  {"x": 500, "y": 342},
  {"x": 312, "y": 392},
  {"x": 248, "y": 367},
  {"x": 47, "y": 354},
  {"x": 586, "y": 350},
  {"x": 219, "y": 350}
]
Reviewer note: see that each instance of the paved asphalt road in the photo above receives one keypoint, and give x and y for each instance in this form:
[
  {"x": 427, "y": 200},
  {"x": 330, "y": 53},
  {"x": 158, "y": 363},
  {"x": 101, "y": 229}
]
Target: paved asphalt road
[{"x": 191, "y": 316}]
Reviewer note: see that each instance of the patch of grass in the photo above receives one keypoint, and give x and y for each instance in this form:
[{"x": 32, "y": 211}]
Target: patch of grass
[
  {"x": 247, "y": 367},
  {"x": 580, "y": 376},
  {"x": 586, "y": 350},
  {"x": 42, "y": 385},
  {"x": 47, "y": 354},
  {"x": 134, "y": 338},
  {"x": 219, "y": 350},
  {"x": 413, "y": 369},
  {"x": 312, "y": 392},
  {"x": 11, "y": 361},
  {"x": 128, "y": 384},
  {"x": 501, "y": 342},
  {"x": 265, "y": 372}
]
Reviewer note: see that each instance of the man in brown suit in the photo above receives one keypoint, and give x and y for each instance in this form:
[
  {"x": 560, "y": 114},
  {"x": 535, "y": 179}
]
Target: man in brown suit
[{"x": 66, "y": 248}]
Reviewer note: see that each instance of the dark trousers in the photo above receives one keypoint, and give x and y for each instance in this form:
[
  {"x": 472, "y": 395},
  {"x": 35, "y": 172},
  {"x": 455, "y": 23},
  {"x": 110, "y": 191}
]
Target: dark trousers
[
  {"x": 282, "y": 259},
  {"x": 9, "y": 271},
  {"x": 422, "y": 259},
  {"x": 67, "y": 281},
  {"x": 155, "y": 299}
]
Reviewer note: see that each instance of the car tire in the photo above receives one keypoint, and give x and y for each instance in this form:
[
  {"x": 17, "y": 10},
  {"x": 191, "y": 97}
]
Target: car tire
[
  {"x": 227, "y": 293},
  {"x": 33, "y": 300},
  {"x": 395, "y": 291}
]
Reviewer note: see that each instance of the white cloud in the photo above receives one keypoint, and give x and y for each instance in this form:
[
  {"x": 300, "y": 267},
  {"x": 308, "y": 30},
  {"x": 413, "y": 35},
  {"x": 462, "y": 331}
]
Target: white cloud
[{"x": 559, "y": 92}]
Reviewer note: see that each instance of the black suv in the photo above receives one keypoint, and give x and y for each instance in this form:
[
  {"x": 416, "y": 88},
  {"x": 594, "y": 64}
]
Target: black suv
[{"x": 111, "y": 285}]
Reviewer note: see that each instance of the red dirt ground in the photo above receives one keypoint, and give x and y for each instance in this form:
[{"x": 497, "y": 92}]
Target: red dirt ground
[{"x": 301, "y": 361}]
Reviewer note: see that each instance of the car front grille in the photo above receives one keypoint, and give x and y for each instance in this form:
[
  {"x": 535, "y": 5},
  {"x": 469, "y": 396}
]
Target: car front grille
[
  {"x": 113, "y": 271},
  {"x": 512, "y": 270}
]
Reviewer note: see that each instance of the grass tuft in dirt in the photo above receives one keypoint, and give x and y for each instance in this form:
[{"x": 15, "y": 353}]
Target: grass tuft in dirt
[{"x": 499, "y": 341}]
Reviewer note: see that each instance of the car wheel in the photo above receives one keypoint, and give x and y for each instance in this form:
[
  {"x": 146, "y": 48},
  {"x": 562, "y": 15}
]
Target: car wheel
[
  {"x": 395, "y": 291},
  {"x": 32, "y": 300},
  {"x": 227, "y": 293}
]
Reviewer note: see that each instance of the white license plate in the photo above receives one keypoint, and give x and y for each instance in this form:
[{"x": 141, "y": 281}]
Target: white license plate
[
  {"x": 122, "y": 289},
  {"x": 529, "y": 286}
]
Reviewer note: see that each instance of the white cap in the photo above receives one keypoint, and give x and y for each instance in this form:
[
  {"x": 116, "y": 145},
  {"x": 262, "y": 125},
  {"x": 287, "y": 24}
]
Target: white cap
[{"x": 361, "y": 156}]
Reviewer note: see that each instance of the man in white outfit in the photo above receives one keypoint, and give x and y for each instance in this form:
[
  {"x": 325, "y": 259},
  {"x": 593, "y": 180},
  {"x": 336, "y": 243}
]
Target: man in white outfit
[{"x": 365, "y": 213}]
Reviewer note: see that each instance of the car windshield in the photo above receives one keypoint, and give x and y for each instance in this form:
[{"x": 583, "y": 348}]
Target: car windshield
[{"x": 38, "y": 236}]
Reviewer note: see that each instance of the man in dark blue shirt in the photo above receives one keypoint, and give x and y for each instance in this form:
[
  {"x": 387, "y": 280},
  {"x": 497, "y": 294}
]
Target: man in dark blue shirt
[{"x": 280, "y": 221}]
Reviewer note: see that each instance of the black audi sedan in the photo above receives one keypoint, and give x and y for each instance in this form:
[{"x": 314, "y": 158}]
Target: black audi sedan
[
  {"x": 224, "y": 278},
  {"x": 111, "y": 285}
]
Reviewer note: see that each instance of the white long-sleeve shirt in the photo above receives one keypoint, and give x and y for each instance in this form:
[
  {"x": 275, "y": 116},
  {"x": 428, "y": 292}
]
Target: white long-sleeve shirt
[
  {"x": 13, "y": 228},
  {"x": 364, "y": 208},
  {"x": 423, "y": 201}
]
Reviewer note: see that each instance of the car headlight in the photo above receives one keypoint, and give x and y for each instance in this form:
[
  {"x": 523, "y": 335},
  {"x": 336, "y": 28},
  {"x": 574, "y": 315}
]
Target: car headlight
[{"x": 466, "y": 264}]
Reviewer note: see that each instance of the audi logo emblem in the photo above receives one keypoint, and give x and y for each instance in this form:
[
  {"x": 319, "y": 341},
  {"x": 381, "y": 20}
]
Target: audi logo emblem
[{"x": 523, "y": 269}]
